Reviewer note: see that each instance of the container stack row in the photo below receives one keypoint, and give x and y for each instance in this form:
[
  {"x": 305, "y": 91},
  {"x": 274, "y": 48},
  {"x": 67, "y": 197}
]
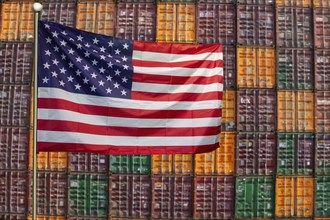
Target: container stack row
[{"x": 273, "y": 160}]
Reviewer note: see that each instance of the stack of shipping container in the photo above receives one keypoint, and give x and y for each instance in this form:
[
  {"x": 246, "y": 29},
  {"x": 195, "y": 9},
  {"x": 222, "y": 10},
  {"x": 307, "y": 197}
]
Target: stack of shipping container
[{"x": 274, "y": 158}]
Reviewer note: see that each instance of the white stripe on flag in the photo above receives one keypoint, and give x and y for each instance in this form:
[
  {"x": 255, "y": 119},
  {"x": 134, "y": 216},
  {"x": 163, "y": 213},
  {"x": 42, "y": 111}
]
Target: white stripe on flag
[
  {"x": 171, "y": 58},
  {"x": 179, "y": 71}
]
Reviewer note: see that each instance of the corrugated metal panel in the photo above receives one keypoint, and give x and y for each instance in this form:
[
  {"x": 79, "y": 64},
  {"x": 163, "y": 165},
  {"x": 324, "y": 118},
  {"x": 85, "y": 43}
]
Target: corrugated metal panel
[
  {"x": 322, "y": 66},
  {"x": 55, "y": 161},
  {"x": 172, "y": 164},
  {"x": 294, "y": 69},
  {"x": 321, "y": 3},
  {"x": 13, "y": 192},
  {"x": 47, "y": 217},
  {"x": 295, "y": 154},
  {"x": 136, "y": 21},
  {"x": 254, "y": 197},
  {"x": 256, "y": 110},
  {"x": 255, "y": 25},
  {"x": 294, "y": 196},
  {"x": 88, "y": 162},
  {"x": 256, "y": 154},
  {"x": 294, "y": 3},
  {"x": 322, "y": 196},
  {"x": 217, "y": 1},
  {"x": 263, "y": 2},
  {"x": 8, "y": 216},
  {"x": 294, "y": 27},
  {"x": 229, "y": 68},
  {"x": 51, "y": 193},
  {"x": 228, "y": 111},
  {"x": 216, "y": 23},
  {"x": 322, "y": 27},
  {"x": 62, "y": 12},
  {"x": 322, "y": 106},
  {"x": 225, "y": 154},
  {"x": 130, "y": 164},
  {"x": 214, "y": 197},
  {"x": 205, "y": 163},
  {"x": 255, "y": 67},
  {"x": 172, "y": 197},
  {"x": 130, "y": 196},
  {"x": 15, "y": 63},
  {"x": 322, "y": 156}
]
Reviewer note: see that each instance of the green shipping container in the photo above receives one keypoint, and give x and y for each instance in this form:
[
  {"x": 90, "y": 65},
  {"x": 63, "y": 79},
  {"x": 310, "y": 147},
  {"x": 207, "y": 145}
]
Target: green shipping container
[
  {"x": 254, "y": 197},
  {"x": 130, "y": 164},
  {"x": 88, "y": 195},
  {"x": 322, "y": 197},
  {"x": 295, "y": 154},
  {"x": 322, "y": 156}
]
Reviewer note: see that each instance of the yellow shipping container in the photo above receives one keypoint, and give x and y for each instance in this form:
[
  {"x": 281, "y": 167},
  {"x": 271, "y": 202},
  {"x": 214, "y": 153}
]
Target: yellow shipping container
[
  {"x": 294, "y": 3},
  {"x": 97, "y": 17},
  {"x": 255, "y": 67},
  {"x": 47, "y": 217},
  {"x": 172, "y": 164},
  {"x": 294, "y": 196},
  {"x": 228, "y": 110},
  {"x": 295, "y": 111}
]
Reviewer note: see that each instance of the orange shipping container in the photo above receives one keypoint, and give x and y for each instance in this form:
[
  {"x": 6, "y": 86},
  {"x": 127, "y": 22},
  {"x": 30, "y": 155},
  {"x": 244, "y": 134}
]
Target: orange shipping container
[
  {"x": 97, "y": 17},
  {"x": 228, "y": 111},
  {"x": 295, "y": 111},
  {"x": 322, "y": 3},
  {"x": 255, "y": 67},
  {"x": 225, "y": 154},
  {"x": 172, "y": 164},
  {"x": 294, "y": 3},
  {"x": 294, "y": 196},
  {"x": 205, "y": 163},
  {"x": 47, "y": 217}
]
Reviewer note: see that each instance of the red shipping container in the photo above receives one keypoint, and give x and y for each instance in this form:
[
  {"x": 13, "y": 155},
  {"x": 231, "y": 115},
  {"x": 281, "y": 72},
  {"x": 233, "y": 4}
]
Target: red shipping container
[
  {"x": 13, "y": 191},
  {"x": 218, "y": 1},
  {"x": 52, "y": 189},
  {"x": 7, "y": 216},
  {"x": 256, "y": 110},
  {"x": 130, "y": 196},
  {"x": 172, "y": 197},
  {"x": 322, "y": 112},
  {"x": 322, "y": 66},
  {"x": 256, "y": 153},
  {"x": 255, "y": 25},
  {"x": 322, "y": 27},
  {"x": 16, "y": 63},
  {"x": 216, "y": 23},
  {"x": 15, "y": 105},
  {"x": 61, "y": 12},
  {"x": 262, "y": 2},
  {"x": 229, "y": 67},
  {"x": 14, "y": 143},
  {"x": 214, "y": 197},
  {"x": 136, "y": 21},
  {"x": 88, "y": 162},
  {"x": 294, "y": 27}
]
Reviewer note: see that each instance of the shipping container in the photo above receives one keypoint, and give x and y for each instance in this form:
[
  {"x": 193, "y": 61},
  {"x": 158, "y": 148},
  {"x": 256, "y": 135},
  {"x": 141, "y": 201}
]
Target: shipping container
[
  {"x": 295, "y": 111},
  {"x": 321, "y": 3},
  {"x": 15, "y": 63},
  {"x": 262, "y": 2},
  {"x": 322, "y": 66},
  {"x": 172, "y": 164},
  {"x": 256, "y": 110},
  {"x": 322, "y": 27},
  {"x": 214, "y": 197},
  {"x": 97, "y": 17},
  {"x": 255, "y": 67},
  {"x": 51, "y": 193},
  {"x": 54, "y": 161},
  {"x": 17, "y": 21},
  {"x": 130, "y": 196},
  {"x": 254, "y": 197},
  {"x": 228, "y": 111},
  {"x": 14, "y": 143},
  {"x": 229, "y": 67},
  {"x": 205, "y": 163},
  {"x": 47, "y": 217},
  {"x": 255, "y": 154},
  {"x": 88, "y": 195},
  {"x": 322, "y": 106},
  {"x": 216, "y": 23},
  {"x": 294, "y": 3},
  {"x": 172, "y": 197},
  {"x": 88, "y": 162},
  {"x": 176, "y": 22},
  {"x": 63, "y": 12},
  {"x": 294, "y": 69},
  {"x": 130, "y": 164},
  {"x": 322, "y": 156},
  {"x": 295, "y": 154},
  {"x": 11, "y": 216},
  {"x": 255, "y": 25},
  {"x": 15, "y": 105},
  {"x": 294, "y": 26},
  {"x": 322, "y": 196},
  {"x": 136, "y": 21},
  {"x": 13, "y": 192},
  {"x": 218, "y": 1},
  {"x": 294, "y": 196}
]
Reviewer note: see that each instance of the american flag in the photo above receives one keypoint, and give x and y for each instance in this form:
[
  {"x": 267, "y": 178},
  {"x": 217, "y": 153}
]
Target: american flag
[{"x": 107, "y": 95}]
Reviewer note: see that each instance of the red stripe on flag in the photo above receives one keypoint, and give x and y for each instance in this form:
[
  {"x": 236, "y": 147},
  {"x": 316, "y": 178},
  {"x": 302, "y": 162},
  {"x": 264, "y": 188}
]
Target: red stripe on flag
[{"x": 184, "y": 64}]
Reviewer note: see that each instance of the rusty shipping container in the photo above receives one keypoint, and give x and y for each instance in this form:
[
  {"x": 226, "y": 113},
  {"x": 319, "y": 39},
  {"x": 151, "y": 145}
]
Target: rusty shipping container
[
  {"x": 255, "y": 67},
  {"x": 256, "y": 110},
  {"x": 172, "y": 197},
  {"x": 322, "y": 155},
  {"x": 216, "y": 23},
  {"x": 255, "y": 25},
  {"x": 255, "y": 153},
  {"x": 130, "y": 196},
  {"x": 136, "y": 21},
  {"x": 261, "y": 2},
  {"x": 63, "y": 12},
  {"x": 229, "y": 66},
  {"x": 294, "y": 69},
  {"x": 8, "y": 216},
  {"x": 294, "y": 196},
  {"x": 322, "y": 106},
  {"x": 322, "y": 66},
  {"x": 88, "y": 162},
  {"x": 322, "y": 27},
  {"x": 214, "y": 197}
]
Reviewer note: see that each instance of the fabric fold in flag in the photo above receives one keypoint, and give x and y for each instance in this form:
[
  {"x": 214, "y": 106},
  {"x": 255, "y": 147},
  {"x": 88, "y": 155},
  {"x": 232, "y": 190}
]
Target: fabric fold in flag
[{"x": 107, "y": 95}]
